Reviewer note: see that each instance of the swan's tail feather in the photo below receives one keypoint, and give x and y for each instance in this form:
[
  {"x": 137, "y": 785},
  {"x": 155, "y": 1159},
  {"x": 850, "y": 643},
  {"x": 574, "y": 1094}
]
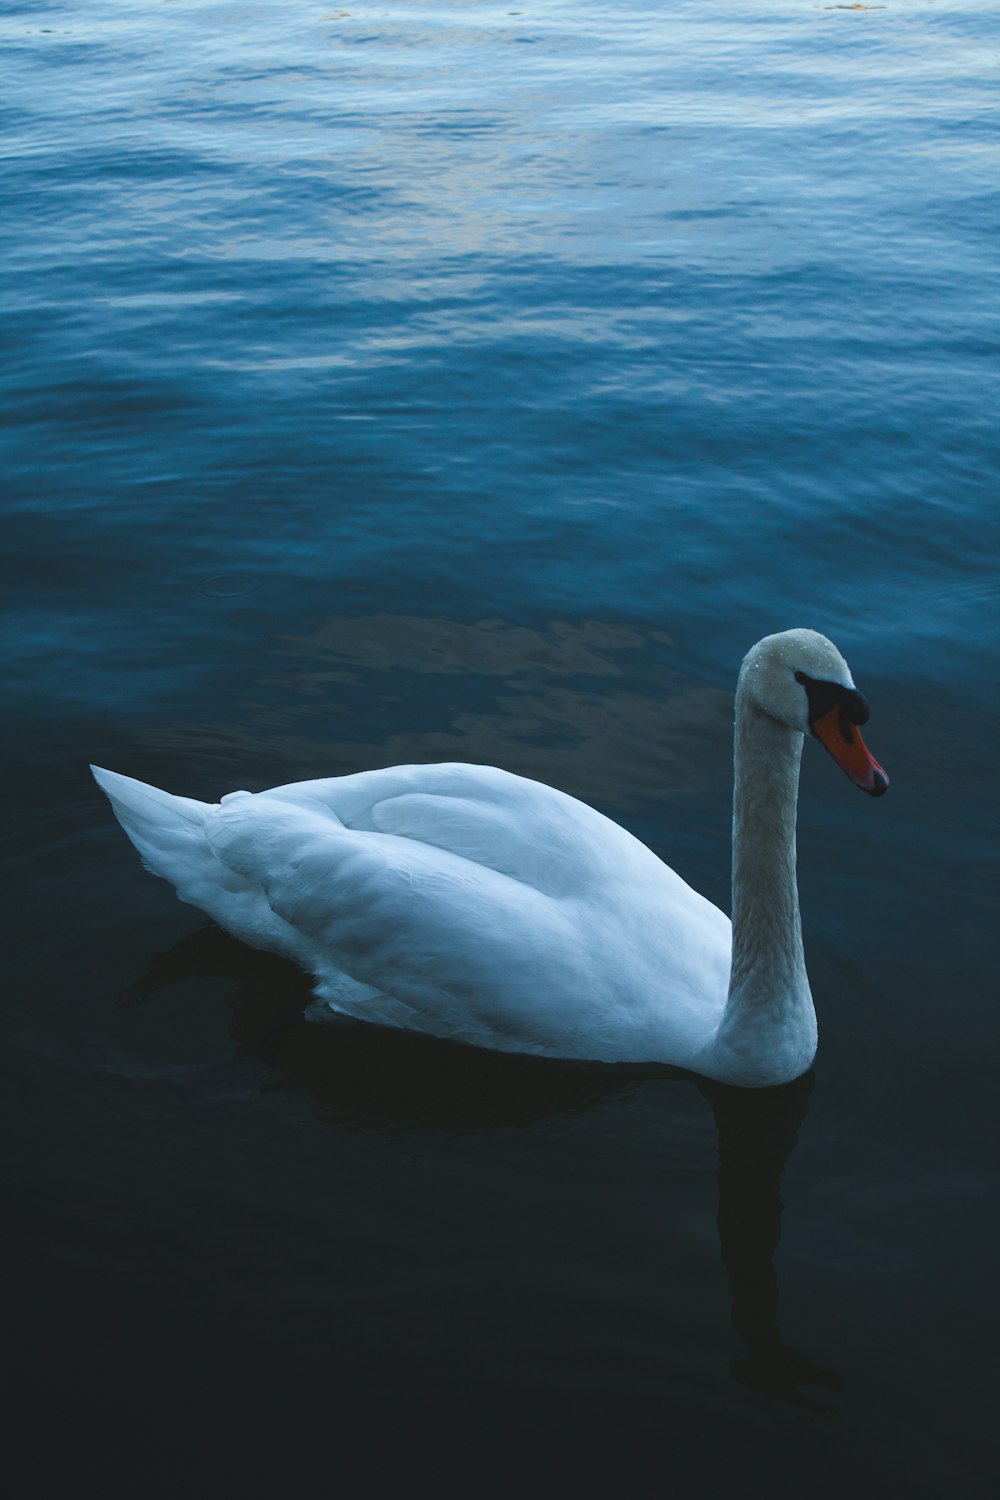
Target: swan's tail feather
[
  {"x": 170, "y": 835},
  {"x": 168, "y": 831}
]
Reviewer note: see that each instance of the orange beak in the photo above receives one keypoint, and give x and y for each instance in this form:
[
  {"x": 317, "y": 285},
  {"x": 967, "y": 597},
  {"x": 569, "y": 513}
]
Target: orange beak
[{"x": 843, "y": 740}]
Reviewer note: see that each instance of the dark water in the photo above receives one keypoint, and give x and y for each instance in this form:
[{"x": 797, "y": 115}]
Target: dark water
[{"x": 400, "y": 381}]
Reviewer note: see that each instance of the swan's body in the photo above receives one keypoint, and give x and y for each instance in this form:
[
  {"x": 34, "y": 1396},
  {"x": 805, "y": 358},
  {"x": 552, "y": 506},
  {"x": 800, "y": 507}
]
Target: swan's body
[{"x": 473, "y": 904}]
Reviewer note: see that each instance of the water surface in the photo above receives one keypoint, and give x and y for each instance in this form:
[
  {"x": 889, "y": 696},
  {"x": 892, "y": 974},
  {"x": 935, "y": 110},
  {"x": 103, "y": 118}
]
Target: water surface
[{"x": 398, "y": 381}]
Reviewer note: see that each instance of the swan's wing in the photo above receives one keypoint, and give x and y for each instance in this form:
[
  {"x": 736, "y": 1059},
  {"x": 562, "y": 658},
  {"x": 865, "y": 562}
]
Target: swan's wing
[
  {"x": 471, "y": 952},
  {"x": 517, "y": 827}
]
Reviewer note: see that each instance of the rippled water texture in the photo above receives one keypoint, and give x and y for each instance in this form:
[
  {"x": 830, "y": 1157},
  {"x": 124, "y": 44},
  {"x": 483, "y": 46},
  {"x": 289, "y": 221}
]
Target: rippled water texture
[{"x": 469, "y": 380}]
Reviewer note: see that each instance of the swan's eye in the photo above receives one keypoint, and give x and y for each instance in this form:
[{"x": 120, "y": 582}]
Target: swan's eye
[{"x": 823, "y": 696}]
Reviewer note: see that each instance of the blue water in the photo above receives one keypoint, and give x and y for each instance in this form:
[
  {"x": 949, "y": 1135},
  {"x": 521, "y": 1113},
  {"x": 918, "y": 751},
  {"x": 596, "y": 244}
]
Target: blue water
[{"x": 398, "y": 381}]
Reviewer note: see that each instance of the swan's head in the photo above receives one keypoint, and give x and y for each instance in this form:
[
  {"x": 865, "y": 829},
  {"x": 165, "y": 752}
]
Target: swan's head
[{"x": 801, "y": 679}]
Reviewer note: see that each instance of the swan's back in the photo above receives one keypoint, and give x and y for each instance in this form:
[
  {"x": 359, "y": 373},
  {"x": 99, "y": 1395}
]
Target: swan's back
[{"x": 460, "y": 900}]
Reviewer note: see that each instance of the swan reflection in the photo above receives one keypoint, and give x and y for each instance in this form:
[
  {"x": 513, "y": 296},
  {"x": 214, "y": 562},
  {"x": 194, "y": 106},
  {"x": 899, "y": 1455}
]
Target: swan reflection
[
  {"x": 370, "y": 1078},
  {"x": 758, "y": 1130}
]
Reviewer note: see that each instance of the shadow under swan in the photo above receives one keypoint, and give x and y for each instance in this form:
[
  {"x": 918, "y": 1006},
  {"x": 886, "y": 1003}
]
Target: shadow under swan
[{"x": 364, "y": 1075}]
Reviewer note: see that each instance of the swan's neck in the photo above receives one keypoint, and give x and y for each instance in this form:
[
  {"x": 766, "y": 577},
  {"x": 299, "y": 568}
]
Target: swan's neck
[{"x": 768, "y": 1030}]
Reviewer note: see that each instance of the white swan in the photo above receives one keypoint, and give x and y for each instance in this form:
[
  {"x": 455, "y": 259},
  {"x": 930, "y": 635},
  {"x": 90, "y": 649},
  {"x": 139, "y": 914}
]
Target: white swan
[{"x": 473, "y": 904}]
